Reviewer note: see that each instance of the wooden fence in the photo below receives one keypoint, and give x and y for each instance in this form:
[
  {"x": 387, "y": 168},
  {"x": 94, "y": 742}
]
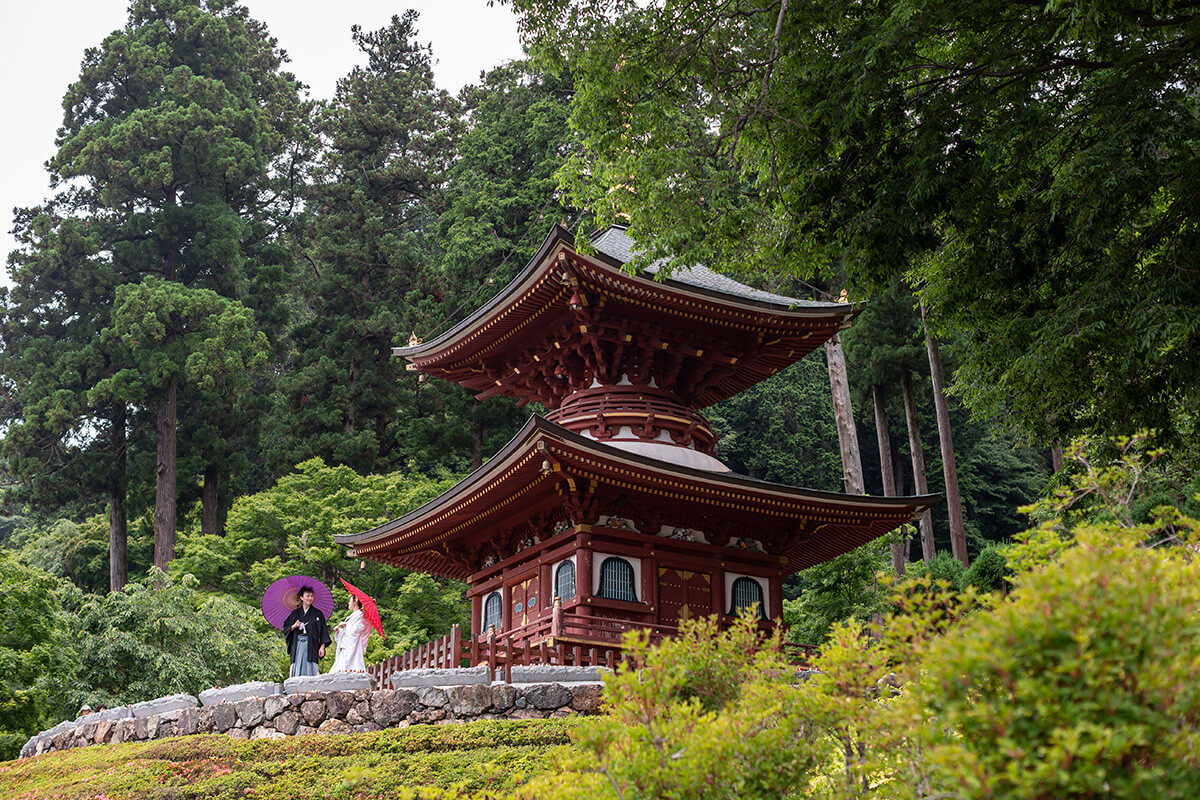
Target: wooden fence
[{"x": 562, "y": 639}]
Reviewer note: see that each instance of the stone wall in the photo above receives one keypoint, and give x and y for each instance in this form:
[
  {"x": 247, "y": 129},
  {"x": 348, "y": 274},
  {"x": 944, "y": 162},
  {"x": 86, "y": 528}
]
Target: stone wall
[{"x": 322, "y": 712}]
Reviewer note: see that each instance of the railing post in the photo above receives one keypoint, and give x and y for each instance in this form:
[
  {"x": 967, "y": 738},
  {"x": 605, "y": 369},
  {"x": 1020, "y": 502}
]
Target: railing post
[
  {"x": 454, "y": 657},
  {"x": 491, "y": 652},
  {"x": 556, "y": 618}
]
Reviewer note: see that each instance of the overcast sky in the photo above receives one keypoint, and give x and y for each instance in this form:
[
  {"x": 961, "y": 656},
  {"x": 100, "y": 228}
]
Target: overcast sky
[{"x": 42, "y": 44}]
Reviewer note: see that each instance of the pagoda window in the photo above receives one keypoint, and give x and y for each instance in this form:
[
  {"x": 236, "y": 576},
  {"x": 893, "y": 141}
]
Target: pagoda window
[
  {"x": 493, "y": 613},
  {"x": 747, "y": 593},
  {"x": 564, "y": 581},
  {"x": 617, "y": 580}
]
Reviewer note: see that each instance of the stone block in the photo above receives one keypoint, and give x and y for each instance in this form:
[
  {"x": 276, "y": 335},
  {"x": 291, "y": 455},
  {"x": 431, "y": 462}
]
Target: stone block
[
  {"x": 363, "y": 707},
  {"x": 313, "y": 712},
  {"x": 152, "y": 724},
  {"x": 546, "y": 696},
  {"x": 503, "y": 696},
  {"x": 338, "y": 703},
  {"x": 427, "y": 716},
  {"x": 587, "y": 697},
  {"x": 263, "y": 732},
  {"x": 224, "y": 717},
  {"x": 103, "y": 731},
  {"x": 120, "y": 712},
  {"x": 165, "y": 730},
  {"x": 242, "y": 691},
  {"x": 367, "y": 727},
  {"x": 205, "y": 723},
  {"x": 239, "y": 733},
  {"x": 462, "y": 676},
  {"x": 363, "y": 695},
  {"x": 354, "y": 718},
  {"x": 549, "y": 673},
  {"x": 274, "y": 705},
  {"x": 334, "y": 726},
  {"x": 295, "y": 698},
  {"x": 250, "y": 712},
  {"x": 330, "y": 682},
  {"x": 162, "y": 705},
  {"x": 305, "y": 730},
  {"x": 140, "y": 729},
  {"x": 390, "y": 706},
  {"x": 432, "y": 696},
  {"x": 188, "y": 722},
  {"x": 528, "y": 713},
  {"x": 469, "y": 701},
  {"x": 287, "y": 722}
]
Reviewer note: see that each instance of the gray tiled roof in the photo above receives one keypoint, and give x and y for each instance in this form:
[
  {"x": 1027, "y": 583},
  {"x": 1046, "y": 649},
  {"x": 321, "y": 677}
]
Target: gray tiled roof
[{"x": 615, "y": 243}]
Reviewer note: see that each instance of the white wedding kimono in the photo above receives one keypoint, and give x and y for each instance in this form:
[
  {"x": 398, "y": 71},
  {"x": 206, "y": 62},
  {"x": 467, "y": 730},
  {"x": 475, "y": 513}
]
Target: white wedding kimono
[{"x": 351, "y": 644}]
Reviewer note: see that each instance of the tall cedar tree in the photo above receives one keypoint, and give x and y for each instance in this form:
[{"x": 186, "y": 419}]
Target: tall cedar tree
[
  {"x": 176, "y": 159},
  {"x": 1033, "y": 164},
  {"x": 501, "y": 201},
  {"x": 390, "y": 135}
]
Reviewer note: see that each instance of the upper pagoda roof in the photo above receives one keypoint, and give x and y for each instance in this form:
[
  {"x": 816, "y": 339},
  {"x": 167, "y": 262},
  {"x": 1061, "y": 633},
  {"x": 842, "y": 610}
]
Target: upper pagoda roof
[
  {"x": 718, "y": 336},
  {"x": 540, "y": 468}
]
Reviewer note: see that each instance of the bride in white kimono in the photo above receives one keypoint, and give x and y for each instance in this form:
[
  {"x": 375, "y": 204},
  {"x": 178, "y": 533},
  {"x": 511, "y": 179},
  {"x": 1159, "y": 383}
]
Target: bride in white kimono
[{"x": 351, "y": 635}]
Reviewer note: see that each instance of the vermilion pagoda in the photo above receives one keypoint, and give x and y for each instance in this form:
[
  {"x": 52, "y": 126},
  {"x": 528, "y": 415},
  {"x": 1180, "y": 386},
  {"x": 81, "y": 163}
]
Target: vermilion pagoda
[{"x": 614, "y": 503}]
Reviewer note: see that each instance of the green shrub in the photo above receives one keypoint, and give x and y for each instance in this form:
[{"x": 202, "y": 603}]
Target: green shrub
[{"x": 989, "y": 571}]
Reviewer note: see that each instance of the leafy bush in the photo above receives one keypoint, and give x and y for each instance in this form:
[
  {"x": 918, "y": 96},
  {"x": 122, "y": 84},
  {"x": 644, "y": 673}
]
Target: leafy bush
[
  {"x": 989, "y": 571},
  {"x": 943, "y": 567}
]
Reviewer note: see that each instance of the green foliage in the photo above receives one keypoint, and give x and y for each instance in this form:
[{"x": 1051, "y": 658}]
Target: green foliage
[
  {"x": 34, "y": 648},
  {"x": 389, "y": 134},
  {"x": 289, "y": 529},
  {"x": 841, "y": 589},
  {"x": 1028, "y": 167},
  {"x": 782, "y": 429},
  {"x": 163, "y": 636},
  {"x": 480, "y": 759},
  {"x": 702, "y": 715},
  {"x": 989, "y": 571},
  {"x": 944, "y": 567}
]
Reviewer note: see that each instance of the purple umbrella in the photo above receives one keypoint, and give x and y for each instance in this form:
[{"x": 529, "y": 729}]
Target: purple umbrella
[{"x": 283, "y": 596}]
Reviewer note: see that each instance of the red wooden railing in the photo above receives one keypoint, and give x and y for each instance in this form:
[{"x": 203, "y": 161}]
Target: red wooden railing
[
  {"x": 560, "y": 639},
  {"x": 444, "y": 653}
]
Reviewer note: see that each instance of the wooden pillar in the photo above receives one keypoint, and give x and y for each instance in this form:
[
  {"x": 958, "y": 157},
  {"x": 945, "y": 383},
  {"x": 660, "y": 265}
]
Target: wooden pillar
[
  {"x": 476, "y": 615},
  {"x": 649, "y": 570},
  {"x": 718, "y": 591},
  {"x": 545, "y": 588},
  {"x": 775, "y": 587},
  {"x": 583, "y": 573},
  {"x": 506, "y": 609}
]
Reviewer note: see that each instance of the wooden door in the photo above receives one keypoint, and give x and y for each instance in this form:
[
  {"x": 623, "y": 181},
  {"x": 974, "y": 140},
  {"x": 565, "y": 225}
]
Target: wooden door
[
  {"x": 683, "y": 595},
  {"x": 526, "y": 600}
]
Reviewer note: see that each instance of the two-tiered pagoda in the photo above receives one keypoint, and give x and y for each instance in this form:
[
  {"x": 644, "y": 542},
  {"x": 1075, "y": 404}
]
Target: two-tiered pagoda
[{"x": 614, "y": 503}]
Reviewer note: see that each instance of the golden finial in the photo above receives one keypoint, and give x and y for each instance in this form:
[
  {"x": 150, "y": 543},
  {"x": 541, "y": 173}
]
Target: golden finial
[
  {"x": 415, "y": 340},
  {"x": 842, "y": 297}
]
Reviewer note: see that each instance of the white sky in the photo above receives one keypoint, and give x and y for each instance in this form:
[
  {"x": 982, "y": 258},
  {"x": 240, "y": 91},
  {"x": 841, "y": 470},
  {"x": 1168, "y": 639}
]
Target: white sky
[{"x": 42, "y": 44}]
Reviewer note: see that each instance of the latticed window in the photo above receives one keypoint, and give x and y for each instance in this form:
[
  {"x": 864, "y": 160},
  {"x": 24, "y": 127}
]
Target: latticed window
[
  {"x": 493, "y": 613},
  {"x": 616, "y": 580},
  {"x": 564, "y": 581},
  {"x": 747, "y": 593}
]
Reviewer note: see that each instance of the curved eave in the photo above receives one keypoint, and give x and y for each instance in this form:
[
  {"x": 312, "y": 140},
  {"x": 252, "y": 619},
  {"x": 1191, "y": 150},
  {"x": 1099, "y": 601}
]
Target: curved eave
[
  {"x": 523, "y": 290},
  {"x": 839, "y": 522}
]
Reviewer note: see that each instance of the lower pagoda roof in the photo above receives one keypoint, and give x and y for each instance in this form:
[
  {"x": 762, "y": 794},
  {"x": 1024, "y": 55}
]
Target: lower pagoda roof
[{"x": 547, "y": 474}]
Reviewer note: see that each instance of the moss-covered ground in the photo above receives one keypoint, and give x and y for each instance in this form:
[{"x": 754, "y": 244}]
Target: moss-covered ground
[{"x": 442, "y": 761}]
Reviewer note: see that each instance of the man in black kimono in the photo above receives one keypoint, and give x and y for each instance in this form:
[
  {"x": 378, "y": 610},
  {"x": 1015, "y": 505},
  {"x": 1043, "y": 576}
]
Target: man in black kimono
[{"x": 307, "y": 635}]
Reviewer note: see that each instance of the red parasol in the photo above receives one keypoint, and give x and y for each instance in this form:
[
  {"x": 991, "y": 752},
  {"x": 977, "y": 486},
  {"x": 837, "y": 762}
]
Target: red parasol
[{"x": 369, "y": 609}]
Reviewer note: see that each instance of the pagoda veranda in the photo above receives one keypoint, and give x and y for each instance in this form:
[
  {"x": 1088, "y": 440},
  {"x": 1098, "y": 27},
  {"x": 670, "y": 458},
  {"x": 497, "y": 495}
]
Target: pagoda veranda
[{"x": 612, "y": 512}]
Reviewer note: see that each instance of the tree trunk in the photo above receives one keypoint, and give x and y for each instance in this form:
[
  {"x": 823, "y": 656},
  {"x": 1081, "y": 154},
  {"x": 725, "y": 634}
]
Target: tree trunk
[
  {"x": 884, "y": 438},
  {"x": 118, "y": 528},
  {"x": 920, "y": 485},
  {"x": 1056, "y": 457},
  {"x": 958, "y": 531},
  {"x": 843, "y": 412},
  {"x": 165, "y": 471},
  {"x": 209, "y": 502},
  {"x": 477, "y": 434}
]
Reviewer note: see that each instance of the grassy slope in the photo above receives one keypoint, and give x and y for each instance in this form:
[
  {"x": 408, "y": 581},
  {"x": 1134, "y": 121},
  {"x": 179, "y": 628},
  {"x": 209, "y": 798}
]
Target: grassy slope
[{"x": 420, "y": 761}]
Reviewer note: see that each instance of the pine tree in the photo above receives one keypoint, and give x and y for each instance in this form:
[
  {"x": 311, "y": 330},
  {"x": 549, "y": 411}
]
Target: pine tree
[{"x": 176, "y": 159}]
